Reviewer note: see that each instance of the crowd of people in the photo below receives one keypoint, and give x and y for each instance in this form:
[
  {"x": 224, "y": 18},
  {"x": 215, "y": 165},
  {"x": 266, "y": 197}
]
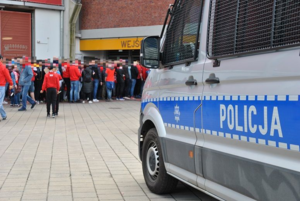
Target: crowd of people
[{"x": 69, "y": 81}]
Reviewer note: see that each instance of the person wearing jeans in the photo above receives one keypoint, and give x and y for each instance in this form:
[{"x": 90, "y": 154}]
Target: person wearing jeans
[
  {"x": 4, "y": 77},
  {"x": 97, "y": 77},
  {"x": 134, "y": 74},
  {"x": 74, "y": 91},
  {"x": 26, "y": 98},
  {"x": 109, "y": 89},
  {"x": 74, "y": 77},
  {"x": 110, "y": 78},
  {"x": 25, "y": 82}
]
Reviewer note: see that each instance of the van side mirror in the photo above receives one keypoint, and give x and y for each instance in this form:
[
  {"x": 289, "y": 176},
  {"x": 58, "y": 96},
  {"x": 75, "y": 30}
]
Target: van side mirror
[{"x": 150, "y": 52}]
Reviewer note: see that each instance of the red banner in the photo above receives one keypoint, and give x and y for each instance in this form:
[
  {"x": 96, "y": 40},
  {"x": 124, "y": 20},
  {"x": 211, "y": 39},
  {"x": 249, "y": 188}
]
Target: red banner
[
  {"x": 52, "y": 2},
  {"x": 15, "y": 32}
]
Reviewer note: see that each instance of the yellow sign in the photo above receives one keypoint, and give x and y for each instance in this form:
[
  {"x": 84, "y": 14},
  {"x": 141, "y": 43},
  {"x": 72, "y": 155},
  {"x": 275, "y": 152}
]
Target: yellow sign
[{"x": 111, "y": 44}]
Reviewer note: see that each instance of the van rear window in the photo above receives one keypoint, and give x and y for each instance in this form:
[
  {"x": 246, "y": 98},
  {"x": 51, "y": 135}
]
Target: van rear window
[
  {"x": 183, "y": 32},
  {"x": 242, "y": 26}
]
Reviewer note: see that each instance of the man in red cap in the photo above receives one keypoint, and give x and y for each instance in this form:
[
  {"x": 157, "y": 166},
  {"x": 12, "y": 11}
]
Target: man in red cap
[{"x": 4, "y": 77}]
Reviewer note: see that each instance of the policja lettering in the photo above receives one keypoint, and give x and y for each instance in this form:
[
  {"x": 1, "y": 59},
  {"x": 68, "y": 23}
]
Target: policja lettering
[{"x": 231, "y": 114}]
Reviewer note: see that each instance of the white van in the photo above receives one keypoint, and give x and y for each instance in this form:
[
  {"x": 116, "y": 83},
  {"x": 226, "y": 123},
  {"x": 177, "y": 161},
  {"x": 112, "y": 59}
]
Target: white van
[{"x": 220, "y": 109}]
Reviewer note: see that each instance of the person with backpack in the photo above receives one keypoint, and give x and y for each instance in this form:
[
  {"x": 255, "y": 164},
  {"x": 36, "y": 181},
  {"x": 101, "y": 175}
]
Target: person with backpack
[{"x": 87, "y": 75}]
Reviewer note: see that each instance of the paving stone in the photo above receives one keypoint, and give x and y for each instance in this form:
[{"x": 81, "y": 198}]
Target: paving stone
[{"x": 88, "y": 153}]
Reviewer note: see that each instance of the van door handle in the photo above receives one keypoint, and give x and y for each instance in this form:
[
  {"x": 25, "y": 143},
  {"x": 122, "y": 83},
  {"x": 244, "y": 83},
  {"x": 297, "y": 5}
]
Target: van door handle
[
  {"x": 212, "y": 79},
  {"x": 191, "y": 81}
]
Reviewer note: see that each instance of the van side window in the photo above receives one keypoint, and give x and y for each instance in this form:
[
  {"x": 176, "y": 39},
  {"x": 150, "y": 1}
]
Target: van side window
[
  {"x": 242, "y": 26},
  {"x": 183, "y": 32}
]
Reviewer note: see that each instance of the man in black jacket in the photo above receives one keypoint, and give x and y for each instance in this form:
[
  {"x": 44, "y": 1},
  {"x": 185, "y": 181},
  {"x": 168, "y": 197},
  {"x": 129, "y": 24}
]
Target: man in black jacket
[
  {"x": 120, "y": 81},
  {"x": 97, "y": 79},
  {"x": 134, "y": 74}
]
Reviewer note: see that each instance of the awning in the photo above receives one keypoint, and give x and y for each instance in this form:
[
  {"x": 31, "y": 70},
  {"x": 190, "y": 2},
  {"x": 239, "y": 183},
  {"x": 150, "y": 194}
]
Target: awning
[{"x": 111, "y": 44}]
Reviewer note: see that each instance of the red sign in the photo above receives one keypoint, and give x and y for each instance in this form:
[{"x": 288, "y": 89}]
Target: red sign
[
  {"x": 15, "y": 34},
  {"x": 52, "y": 2}
]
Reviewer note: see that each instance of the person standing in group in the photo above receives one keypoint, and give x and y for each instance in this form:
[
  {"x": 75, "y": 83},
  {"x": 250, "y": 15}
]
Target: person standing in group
[
  {"x": 97, "y": 79},
  {"x": 87, "y": 75},
  {"x": 120, "y": 82},
  {"x": 4, "y": 78},
  {"x": 134, "y": 74},
  {"x": 74, "y": 77},
  {"x": 66, "y": 77},
  {"x": 127, "y": 72},
  {"x": 144, "y": 76},
  {"x": 38, "y": 82},
  {"x": 58, "y": 73},
  {"x": 25, "y": 82},
  {"x": 51, "y": 86},
  {"x": 103, "y": 74},
  {"x": 15, "y": 100},
  {"x": 32, "y": 88},
  {"x": 110, "y": 78},
  {"x": 139, "y": 80}
]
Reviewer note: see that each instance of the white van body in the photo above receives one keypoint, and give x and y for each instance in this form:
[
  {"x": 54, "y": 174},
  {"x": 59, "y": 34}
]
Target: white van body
[{"x": 234, "y": 140}]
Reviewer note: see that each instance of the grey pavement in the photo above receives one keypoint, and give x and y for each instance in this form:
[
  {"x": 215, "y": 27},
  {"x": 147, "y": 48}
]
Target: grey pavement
[{"x": 88, "y": 153}]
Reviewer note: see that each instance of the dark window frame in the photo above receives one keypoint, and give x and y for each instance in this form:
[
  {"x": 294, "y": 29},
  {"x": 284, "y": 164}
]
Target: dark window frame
[
  {"x": 272, "y": 47},
  {"x": 197, "y": 46}
]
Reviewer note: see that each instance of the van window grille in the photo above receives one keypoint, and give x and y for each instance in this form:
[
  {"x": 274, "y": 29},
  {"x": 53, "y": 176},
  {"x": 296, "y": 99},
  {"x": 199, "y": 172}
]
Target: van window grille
[
  {"x": 183, "y": 32},
  {"x": 244, "y": 26}
]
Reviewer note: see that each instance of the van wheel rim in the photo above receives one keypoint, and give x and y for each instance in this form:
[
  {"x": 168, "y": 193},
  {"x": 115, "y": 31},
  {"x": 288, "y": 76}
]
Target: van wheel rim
[{"x": 153, "y": 161}]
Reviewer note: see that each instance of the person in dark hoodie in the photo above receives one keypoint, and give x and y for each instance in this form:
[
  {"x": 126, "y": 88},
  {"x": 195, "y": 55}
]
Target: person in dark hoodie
[
  {"x": 25, "y": 82},
  {"x": 87, "y": 88},
  {"x": 120, "y": 82},
  {"x": 134, "y": 74},
  {"x": 97, "y": 79}
]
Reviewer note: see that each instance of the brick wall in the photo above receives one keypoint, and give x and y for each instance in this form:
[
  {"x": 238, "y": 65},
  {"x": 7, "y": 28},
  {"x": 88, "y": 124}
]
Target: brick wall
[{"x": 98, "y": 14}]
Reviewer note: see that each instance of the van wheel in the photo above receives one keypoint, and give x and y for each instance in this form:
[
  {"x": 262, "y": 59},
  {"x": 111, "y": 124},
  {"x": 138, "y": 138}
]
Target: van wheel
[{"x": 155, "y": 175}]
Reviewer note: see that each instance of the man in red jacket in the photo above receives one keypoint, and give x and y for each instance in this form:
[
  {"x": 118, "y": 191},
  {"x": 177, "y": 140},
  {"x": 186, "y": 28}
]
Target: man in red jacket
[
  {"x": 4, "y": 77},
  {"x": 51, "y": 86},
  {"x": 66, "y": 77},
  {"x": 74, "y": 77}
]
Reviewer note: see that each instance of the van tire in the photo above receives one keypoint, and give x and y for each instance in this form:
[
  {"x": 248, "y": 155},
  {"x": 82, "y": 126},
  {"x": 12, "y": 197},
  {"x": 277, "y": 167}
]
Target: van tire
[{"x": 155, "y": 174}]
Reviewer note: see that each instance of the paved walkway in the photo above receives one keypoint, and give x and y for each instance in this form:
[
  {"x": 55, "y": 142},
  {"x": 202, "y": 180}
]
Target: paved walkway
[{"x": 88, "y": 153}]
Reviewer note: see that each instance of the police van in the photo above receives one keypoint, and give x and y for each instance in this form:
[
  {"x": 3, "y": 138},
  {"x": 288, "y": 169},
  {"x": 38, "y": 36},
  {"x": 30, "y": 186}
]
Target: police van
[{"x": 220, "y": 109}]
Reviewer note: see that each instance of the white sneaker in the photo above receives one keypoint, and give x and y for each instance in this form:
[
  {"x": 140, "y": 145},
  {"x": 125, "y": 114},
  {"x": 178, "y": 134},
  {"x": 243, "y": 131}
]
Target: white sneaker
[
  {"x": 121, "y": 99},
  {"x": 5, "y": 103},
  {"x": 95, "y": 100},
  {"x": 127, "y": 98},
  {"x": 83, "y": 101},
  {"x": 117, "y": 99},
  {"x": 91, "y": 101}
]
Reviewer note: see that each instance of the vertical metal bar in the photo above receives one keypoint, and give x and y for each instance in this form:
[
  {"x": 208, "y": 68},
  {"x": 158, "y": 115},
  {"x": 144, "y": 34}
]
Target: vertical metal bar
[
  {"x": 198, "y": 32},
  {"x": 273, "y": 23},
  {"x": 236, "y": 23}
]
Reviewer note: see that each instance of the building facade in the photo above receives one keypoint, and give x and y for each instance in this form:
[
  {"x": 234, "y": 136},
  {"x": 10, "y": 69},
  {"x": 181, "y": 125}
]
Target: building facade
[
  {"x": 38, "y": 28},
  {"x": 114, "y": 29}
]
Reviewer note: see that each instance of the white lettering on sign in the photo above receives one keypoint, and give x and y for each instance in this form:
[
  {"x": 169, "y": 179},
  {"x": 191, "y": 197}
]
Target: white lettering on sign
[
  {"x": 231, "y": 114},
  {"x": 15, "y": 47}
]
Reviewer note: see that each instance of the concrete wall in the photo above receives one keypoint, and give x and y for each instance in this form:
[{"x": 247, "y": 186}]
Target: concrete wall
[{"x": 47, "y": 33}]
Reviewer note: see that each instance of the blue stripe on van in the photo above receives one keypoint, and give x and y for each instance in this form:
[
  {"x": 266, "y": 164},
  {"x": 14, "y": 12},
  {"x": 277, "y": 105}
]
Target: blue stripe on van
[{"x": 266, "y": 120}]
